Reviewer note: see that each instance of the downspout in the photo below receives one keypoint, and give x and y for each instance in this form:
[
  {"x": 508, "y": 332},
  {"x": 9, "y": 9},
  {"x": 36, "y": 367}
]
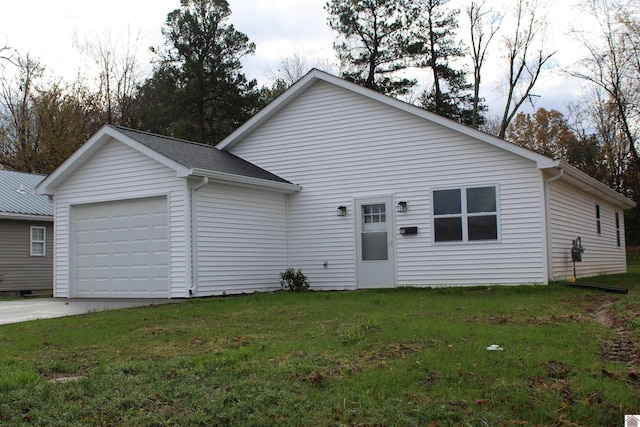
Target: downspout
[
  {"x": 193, "y": 287},
  {"x": 286, "y": 218},
  {"x": 547, "y": 220}
]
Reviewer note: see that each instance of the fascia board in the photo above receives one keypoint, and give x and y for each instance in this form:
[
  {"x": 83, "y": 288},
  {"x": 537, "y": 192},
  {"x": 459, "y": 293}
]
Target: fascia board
[
  {"x": 276, "y": 105},
  {"x": 282, "y": 187},
  {"x": 593, "y": 186},
  {"x": 47, "y": 185},
  {"x": 25, "y": 217},
  {"x": 316, "y": 75},
  {"x": 105, "y": 134}
]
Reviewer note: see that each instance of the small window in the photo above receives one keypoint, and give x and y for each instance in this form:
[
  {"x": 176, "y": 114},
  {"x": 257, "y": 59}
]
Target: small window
[
  {"x": 464, "y": 215},
  {"x": 598, "y": 223},
  {"x": 38, "y": 241},
  {"x": 618, "y": 231}
]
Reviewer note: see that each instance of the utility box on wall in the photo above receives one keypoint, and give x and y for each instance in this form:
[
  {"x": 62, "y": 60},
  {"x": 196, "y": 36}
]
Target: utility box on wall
[{"x": 408, "y": 230}]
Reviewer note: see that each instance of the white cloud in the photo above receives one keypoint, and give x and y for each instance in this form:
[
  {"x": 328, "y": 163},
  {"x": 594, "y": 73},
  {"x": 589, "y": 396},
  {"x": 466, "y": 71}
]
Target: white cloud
[{"x": 46, "y": 29}]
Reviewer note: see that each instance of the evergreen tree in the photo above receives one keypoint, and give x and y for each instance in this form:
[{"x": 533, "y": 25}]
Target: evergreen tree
[
  {"x": 198, "y": 91},
  {"x": 374, "y": 42},
  {"x": 435, "y": 33}
]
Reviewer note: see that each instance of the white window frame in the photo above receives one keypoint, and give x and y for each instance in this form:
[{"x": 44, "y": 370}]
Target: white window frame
[
  {"x": 33, "y": 241},
  {"x": 618, "y": 231},
  {"x": 464, "y": 215},
  {"x": 598, "y": 220}
]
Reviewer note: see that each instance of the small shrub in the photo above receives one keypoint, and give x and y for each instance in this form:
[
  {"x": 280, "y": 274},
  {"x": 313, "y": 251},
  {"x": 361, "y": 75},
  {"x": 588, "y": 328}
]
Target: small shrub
[{"x": 294, "y": 280}]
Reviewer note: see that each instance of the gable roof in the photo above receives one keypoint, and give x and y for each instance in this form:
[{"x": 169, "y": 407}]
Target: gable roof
[
  {"x": 185, "y": 157},
  {"x": 569, "y": 173},
  {"x": 18, "y": 199},
  {"x": 316, "y": 76}
]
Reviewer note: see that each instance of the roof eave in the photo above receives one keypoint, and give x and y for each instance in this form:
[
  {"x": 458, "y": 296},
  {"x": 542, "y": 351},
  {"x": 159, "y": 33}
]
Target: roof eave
[
  {"x": 591, "y": 185},
  {"x": 316, "y": 75},
  {"x": 106, "y": 133},
  {"x": 26, "y": 217},
  {"x": 282, "y": 187}
]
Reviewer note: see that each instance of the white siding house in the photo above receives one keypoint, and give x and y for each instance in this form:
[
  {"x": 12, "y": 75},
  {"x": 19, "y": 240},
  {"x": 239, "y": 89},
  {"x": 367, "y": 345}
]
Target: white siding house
[
  {"x": 357, "y": 189},
  {"x": 139, "y": 218}
]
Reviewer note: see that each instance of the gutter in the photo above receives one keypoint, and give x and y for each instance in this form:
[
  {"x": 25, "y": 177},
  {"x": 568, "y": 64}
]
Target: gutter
[
  {"x": 193, "y": 222},
  {"x": 547, "y": 220},
  {"x": 284, "y": 187}
]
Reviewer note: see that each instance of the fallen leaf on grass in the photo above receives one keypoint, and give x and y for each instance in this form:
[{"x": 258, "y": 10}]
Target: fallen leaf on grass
[{"x": 481, "y": 402}]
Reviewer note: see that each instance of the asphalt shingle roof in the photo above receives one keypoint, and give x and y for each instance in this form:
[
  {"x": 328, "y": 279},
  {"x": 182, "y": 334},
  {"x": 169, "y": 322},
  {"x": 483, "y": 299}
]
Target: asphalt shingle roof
[
  {"x": 199, "y": 156},
  {"x": 17, "y": 194}
]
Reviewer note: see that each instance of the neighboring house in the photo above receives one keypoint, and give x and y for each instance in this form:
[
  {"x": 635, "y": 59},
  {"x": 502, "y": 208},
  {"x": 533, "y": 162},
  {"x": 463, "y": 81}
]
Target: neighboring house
[
  {"x": 26, "y": 235},
  {"x": 357, "y": 189}
]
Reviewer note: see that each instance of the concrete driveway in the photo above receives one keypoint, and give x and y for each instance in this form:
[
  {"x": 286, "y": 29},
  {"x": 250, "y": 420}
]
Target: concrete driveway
[{"x": 15, "y": 311}]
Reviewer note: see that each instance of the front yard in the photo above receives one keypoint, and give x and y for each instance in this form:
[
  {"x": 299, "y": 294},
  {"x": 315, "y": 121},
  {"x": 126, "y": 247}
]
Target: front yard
[{"x": 398, "y": 357}]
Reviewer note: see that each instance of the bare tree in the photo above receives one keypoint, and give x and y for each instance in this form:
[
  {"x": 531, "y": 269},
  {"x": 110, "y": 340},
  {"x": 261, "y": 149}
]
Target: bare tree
[
  {"x": 484, "y": 25},
  {"x": 6, "y": 54},
  {"x": 292, "y": 68},
  {"x": 526, "y": 56},
  {"x": 119, "y": 71},
  {"x": 17, "y": 136},
  {"x": 613, "y": 65}
]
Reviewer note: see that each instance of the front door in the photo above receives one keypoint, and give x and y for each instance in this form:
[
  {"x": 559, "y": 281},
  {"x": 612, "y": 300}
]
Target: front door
[{"x": 375, "y": 249}]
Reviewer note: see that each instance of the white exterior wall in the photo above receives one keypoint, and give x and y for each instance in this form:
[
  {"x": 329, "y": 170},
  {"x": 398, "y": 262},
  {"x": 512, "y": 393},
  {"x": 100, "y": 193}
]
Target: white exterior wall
[
  {"x": 573, "y": 214},
  {"x": 119, "y": 172},
  {"x": 241, "y": 240},
  {"x": 339, "y": 145}
]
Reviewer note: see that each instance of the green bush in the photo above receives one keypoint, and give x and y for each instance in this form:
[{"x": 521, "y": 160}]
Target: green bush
[{"x": 294, "y": 280}]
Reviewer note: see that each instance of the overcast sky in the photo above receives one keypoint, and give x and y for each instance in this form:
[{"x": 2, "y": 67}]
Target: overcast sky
[{"x": 46, "y": 29}]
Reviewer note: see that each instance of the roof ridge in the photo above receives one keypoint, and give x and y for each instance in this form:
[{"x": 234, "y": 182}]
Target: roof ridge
[{"x": 157, "y": 135}]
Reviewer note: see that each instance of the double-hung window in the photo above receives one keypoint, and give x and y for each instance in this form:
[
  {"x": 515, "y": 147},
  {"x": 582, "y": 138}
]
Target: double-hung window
[
  {"x": 38, "y": 241},
  {"x": 465, "y": 214}
]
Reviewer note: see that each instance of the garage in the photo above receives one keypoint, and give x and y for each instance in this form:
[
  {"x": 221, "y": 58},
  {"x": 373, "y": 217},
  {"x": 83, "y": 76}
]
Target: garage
[{"x": 121, "y": 249}]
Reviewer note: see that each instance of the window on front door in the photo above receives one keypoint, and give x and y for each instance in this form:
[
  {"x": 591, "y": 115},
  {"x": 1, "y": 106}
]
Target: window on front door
[
  {"x": 374, "y": 232},
  {"x": 465, "y": 214}
]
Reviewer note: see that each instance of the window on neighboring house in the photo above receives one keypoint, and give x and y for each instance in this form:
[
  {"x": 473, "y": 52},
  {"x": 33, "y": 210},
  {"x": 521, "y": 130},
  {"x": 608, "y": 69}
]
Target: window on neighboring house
[
  {"x": 598, "y": 223},
  {"x": 38, "y": 241},
  {"x": 618, "y": 231},
  {"x": 465, "y": 214}
]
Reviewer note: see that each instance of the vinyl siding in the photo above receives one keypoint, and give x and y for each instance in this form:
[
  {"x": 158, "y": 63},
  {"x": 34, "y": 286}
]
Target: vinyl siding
[
  {"x": 241, "y": 239},
  {"x": 19, "y": 271},
  {"x": 573, "y": 214},
  {"x": 118, "y": 172},
  {"x": 339, "y": 145}
]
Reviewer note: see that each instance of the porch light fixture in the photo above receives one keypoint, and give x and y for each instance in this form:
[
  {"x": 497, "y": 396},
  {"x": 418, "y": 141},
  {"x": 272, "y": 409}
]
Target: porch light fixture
[
  {"x": 401, "y": 207},
  {"x": 342, "y": 211}
]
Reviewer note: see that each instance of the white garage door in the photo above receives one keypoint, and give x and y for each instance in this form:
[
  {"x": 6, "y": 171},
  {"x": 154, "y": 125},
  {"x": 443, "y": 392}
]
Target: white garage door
[{"x": 121, "y": 249}]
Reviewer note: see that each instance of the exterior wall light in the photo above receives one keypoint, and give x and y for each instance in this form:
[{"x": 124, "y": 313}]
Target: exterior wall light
[
  {"x": 342, "y": 211},
  {"x": 401, "y": 207}
]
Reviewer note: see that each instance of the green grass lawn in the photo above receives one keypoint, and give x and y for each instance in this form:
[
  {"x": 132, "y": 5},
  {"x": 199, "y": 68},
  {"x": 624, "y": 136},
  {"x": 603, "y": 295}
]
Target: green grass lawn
[{"x": 401, "y": 357}]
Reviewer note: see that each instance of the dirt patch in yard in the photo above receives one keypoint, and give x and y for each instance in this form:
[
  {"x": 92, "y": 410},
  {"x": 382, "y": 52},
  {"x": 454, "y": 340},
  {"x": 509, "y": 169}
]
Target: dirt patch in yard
[{"x": 623, "y": 345}]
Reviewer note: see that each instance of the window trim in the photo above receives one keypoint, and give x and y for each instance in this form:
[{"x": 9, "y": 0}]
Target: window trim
[
  {"x": 33, "y": 241},
  {"x": 598, "y": 220},
  {"x": 465, "y": 215},
  {"x": 618, "y": 231}
]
